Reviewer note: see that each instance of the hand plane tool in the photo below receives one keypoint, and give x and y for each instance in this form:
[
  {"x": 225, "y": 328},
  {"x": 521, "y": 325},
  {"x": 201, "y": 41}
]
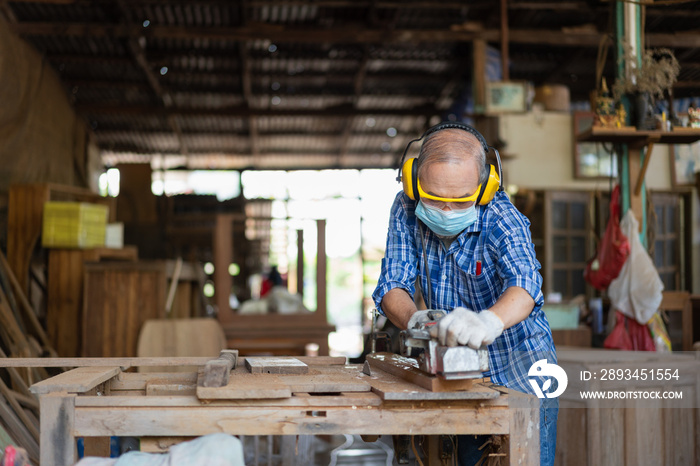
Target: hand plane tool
[{"x": 448, "y": 362}]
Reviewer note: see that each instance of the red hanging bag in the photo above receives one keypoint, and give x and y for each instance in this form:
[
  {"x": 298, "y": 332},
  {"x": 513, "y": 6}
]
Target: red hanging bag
[{"x": 613, "y": 249}]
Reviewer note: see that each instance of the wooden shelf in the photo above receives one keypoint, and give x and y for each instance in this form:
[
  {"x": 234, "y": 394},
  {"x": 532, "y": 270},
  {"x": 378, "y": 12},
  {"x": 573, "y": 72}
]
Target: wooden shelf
[{"x": 641, "y": 138}]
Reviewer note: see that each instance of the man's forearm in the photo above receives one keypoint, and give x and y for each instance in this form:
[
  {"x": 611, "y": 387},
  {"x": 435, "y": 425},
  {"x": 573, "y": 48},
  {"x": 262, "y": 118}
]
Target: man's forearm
[
  {"x": 514, "y": 305},
  {"x": 398, "y": 306}
]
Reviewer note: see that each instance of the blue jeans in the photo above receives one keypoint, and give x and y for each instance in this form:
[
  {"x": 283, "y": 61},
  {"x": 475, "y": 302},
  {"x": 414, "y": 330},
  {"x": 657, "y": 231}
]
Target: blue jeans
[{"x": 468, "y": 445}]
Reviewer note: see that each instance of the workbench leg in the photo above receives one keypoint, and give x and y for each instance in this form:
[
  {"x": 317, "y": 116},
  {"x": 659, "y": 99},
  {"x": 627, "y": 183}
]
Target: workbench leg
[
  {"x": 432, "y": 450},
  {"x": 57, "y": 444},
  {"x": 524, "y": 431}
]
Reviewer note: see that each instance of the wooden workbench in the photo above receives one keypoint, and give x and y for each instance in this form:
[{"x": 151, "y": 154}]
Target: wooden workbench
[{"x": 332, "y": 398}]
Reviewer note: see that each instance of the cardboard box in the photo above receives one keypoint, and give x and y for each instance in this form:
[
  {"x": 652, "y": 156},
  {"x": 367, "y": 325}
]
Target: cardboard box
[
  {"x": 74, "y": 225},
  {"x": 554, "y": 97}
]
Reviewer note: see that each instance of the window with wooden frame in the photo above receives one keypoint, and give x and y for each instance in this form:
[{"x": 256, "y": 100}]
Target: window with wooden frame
[
  {"x": 567, "y": 240},
  {"x": 668, "y": 237}
]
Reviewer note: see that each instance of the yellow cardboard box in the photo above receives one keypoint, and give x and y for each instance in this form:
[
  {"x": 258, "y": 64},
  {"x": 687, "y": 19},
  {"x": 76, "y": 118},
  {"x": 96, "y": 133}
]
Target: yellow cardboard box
[{"x": 74, "y": 225}]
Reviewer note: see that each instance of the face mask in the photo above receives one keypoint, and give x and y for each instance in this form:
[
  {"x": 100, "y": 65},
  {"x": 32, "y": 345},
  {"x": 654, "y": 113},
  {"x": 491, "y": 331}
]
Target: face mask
[{"x": 444, "y": 223}]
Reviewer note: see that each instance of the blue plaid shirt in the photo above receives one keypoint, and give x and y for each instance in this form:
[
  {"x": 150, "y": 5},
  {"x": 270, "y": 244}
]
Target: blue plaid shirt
[{"x": 500, "y": 239}]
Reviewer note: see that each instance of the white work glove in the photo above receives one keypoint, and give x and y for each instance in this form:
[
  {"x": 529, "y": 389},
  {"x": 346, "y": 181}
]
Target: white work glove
[
  {"x": 418, "y": 317},
  {"x": 468, "y": 328}
]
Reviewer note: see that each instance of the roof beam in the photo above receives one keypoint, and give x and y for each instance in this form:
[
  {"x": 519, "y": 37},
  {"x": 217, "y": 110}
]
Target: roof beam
[
  {"x": 244, "y": 112},
  {"x": 358, "y": 83},
  {"x": 578, "y": 38},
  {"x": 7, "y": 12},
  {"x": 284, "y": 34}
]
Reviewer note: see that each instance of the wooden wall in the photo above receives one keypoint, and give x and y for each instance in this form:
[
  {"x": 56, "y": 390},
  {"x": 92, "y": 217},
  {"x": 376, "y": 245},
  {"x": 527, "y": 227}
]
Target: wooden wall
[{"x": 41, "y": 137}]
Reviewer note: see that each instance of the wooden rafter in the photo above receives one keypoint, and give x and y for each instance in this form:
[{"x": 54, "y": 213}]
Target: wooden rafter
[
  {"x": 583, "y": 38},
  {"x": 358, "y": 82},
  {"x": 247, "y": 86},
  {"x": 136, "y": 49},
  {"x": 243, "y": 111},
  {"x": 7, "y": 12}
]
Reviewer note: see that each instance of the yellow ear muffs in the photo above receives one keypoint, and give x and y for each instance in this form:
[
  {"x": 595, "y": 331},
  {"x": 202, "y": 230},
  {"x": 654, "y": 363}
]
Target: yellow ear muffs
[
  {"x": 409, "y": 179},
  {"x": 488, "y": 189}
]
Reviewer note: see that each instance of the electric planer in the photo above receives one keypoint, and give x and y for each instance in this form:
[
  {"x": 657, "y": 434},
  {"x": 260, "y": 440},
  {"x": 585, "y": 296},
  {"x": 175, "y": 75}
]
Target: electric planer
[{"x": 448, "y": 362}]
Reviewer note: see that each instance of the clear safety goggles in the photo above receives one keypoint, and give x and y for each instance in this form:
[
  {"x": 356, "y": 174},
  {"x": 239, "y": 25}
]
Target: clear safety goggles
[{"x": 455, "y": 203}]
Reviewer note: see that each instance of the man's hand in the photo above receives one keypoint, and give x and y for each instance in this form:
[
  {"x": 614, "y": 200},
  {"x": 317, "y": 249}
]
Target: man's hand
[{"x": 465, "y": 327}]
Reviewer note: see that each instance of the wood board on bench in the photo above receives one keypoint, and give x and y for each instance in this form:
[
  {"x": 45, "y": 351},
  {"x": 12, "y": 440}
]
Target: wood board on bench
[
  {"x": 319, "y": 379},
  {"x": 407, "y": 369},
  {"x": 392, "y": 388}
]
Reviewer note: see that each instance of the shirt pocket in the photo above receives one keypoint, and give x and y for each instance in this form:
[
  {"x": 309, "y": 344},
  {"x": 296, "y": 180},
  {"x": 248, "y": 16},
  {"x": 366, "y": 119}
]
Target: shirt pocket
[{"x": 478, "y": 291}]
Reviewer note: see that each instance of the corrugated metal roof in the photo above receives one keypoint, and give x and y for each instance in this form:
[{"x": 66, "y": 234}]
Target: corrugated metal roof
[{"x": 311, "y": 82}]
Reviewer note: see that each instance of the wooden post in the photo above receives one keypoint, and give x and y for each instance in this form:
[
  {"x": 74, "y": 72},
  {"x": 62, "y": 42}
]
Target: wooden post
[
  {"x": 223, "y": 247},
  {"x": 479, "y": 74},
  {"x": 504, "y": 40},
  {"x": 57, "y": 425},
  {"x": 321, "y": 270},
  {"x": 300, "y": 263},
  {"x": 524, "y": 430},
  {"x": 634, "y": 167}
]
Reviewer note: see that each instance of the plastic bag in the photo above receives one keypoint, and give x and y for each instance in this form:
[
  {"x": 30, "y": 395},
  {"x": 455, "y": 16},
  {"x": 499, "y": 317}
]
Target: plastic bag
[
  {"x": 629, "y": 335},
  {"x": 636, "y": 292},
  {"x": 613, "y": 249},
  {"x": 619, "y": 338},
  {"x": 659, "y": 333}
]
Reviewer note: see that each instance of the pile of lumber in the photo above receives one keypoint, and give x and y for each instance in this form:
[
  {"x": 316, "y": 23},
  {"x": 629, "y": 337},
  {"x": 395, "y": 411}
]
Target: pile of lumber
[{"x": 21, "y": 336}]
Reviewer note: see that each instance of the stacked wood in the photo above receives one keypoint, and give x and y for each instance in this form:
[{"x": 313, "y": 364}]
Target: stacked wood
[{"x": 21, "y": 335}]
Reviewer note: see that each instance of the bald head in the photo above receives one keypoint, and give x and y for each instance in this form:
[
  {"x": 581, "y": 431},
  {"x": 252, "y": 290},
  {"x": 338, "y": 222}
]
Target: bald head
[{"x": 452, "y": 146}]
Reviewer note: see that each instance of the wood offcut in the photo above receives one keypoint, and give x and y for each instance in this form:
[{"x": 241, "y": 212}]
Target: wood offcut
[{"x": 217, "y": 371}]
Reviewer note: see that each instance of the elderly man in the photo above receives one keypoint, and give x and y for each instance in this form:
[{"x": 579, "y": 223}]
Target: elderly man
[{"x": 457, "y": 232}]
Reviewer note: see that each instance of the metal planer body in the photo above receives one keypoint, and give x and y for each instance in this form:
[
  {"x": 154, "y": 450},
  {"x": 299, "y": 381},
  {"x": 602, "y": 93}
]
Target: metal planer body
[{"x": 448, "y": 362}]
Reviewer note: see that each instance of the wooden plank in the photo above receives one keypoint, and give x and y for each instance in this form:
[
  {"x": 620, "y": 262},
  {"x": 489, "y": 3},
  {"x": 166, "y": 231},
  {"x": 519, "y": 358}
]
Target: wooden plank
[
  {"x": 180, "y": 337},
  {"x": 392, "y": 388},
  {"x": 643, "y": 442},
  {"x": 217, "y": 371},
  {"x": 78, "y": 380},
  {"x": 524, "y": 429},
  {"x": 138, "y": 381},
  {"x": 479, "y": 74},
  {"x": 58, "y": 446},
  {"x": 407, "y": 369},
  {"x": 325, "y": 383},
  {"x": 103, "y": 362},
  {"x": 25, "y": 208},
  {"x": 19, "y": 431},
  {"x": 260, "y": 420},
  {"x": 153, "y": 389},
  {"x": 571, "y": 448},
  {"x": 247, "y": 386},
  {"x": 25, "y": 306},
  {"x": 64, "y": 303},
  {"x": 678, "y": 438},
  {"x": 182, "y": 400},
  {"x": 275, "y": 365},
  {"x": 19, "y": 411},
  {"x": 119, "y": 298},
  {"x": 15, "y": 376},
  {"x": 321, "y": 271},
  {"x": 223, "y": 254}
]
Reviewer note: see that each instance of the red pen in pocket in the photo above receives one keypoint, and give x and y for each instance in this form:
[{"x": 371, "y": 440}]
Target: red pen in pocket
[{"x": 478, "y": 268}]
